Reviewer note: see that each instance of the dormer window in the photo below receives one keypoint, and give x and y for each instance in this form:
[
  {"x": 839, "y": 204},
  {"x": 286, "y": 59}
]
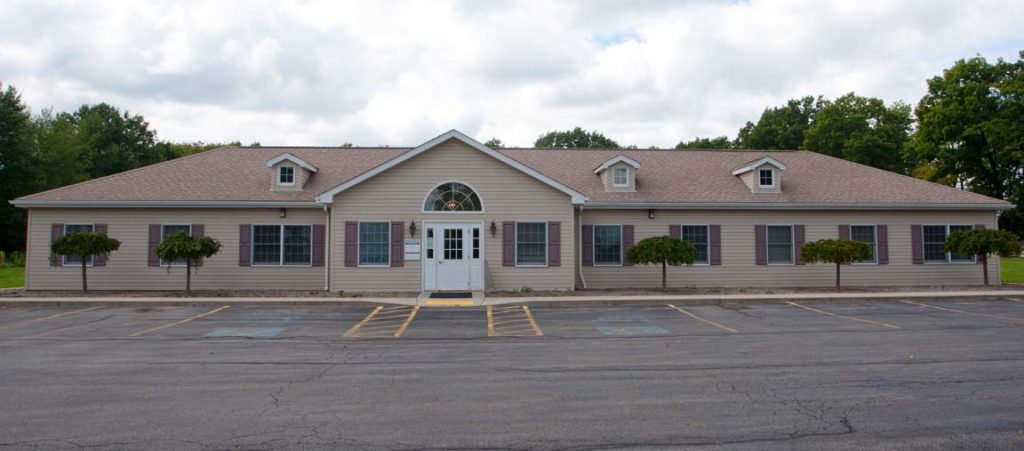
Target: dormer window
[
  {"x": 620, "y": 177},
  {"x": 286, "y": 176},
  {"x": 766, "y": 178}
]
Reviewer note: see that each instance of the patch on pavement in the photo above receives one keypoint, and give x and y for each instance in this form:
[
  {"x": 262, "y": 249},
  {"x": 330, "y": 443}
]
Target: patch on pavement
[
  {"x": 632, "y": 331},
  {"x": 621, "y": 319},
  {"x": 245, "y": 332}
]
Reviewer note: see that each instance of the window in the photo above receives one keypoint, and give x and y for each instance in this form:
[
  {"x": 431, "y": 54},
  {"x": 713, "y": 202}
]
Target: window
[
  {"x": 286, "y": 175},
  {"x": 374, "y": 243},
  {"x": 608, "y": 245},
  {"x": 531, "y": 243},
  {"x": 934, "y": 240},
  {"x": 453, "y": 196},
  {"x": 276, "y": 245},
  {"x": 766, "y": 178},
  {"x": 620, "y": 177},
  {"x": 865, "y": 234},
  {"x": 476, "y": 242},
  {"x": 430, "y": 242},
  {"x": 698, "y": 236},
  {"x": 75, "y": 259},
  {"x": 452, "y": 246},
  {"x": 167, "y": 231},
  {"x": 780, "y": 245}
]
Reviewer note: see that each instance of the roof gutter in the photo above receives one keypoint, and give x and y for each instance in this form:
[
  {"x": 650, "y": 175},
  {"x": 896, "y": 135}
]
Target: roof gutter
[
  {"x": 789, "y": 206},
  {"x": 162, "y": 204}
]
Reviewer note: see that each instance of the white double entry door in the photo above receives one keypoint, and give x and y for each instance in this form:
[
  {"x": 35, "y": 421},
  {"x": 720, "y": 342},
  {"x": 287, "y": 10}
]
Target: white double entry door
[{"x": 453, "y": 256}]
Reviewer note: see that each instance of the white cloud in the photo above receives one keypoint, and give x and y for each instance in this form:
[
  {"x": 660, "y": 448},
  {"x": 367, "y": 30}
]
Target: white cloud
[{"x": 326, "y": 72}]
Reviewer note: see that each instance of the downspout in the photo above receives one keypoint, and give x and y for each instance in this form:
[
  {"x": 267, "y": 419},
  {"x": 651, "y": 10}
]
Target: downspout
[
  {"x": 327, "y": 248},
  {"x": 579, "y": 246}
]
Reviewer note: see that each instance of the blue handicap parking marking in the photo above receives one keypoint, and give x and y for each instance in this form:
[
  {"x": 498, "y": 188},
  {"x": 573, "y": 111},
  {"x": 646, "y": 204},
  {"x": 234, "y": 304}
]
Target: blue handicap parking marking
[
  {"x": 245, "y": 332},
  {"x": 633, "y": 330},
  {"x": 621, "y": 319}
]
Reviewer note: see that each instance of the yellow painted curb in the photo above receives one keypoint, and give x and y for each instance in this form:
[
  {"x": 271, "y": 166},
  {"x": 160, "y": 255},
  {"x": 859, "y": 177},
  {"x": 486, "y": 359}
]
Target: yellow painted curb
[{"x": 449, "y": 302}]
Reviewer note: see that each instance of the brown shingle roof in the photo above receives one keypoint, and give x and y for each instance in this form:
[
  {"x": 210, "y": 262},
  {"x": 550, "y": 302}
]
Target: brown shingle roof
[{"x": 665, "y": 176}]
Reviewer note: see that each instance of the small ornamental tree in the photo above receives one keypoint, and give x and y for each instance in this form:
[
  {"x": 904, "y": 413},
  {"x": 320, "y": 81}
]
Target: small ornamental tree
[
  {"x": 663, "y": 250},
  {"x": 189, "y": 248},
  {"x": 839, "y": 252},
  {"x": 82, "y": 245},
  {"x": 983, "y": 242}
]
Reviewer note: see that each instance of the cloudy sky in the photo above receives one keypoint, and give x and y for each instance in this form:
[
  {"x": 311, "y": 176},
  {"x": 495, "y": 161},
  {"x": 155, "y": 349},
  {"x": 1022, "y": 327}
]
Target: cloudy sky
[{"x": 645, "y": 72}]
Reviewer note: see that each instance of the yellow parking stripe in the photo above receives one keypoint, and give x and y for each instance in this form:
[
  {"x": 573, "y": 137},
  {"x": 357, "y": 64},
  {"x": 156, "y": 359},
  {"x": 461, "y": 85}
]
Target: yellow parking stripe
[
  {"x": 363, "y": 322},
  {"x": 890, "y": 326},
  {"x": 947, "y": 309},
  {"x": 708, "y": 321},
  {"x": 405, "y": 325},
  {"x": 490, "y": 322},
  {"x": 136, "y": 334},
  {"x": 536, "y": 327},
  {"x": 68, "y": 313}
]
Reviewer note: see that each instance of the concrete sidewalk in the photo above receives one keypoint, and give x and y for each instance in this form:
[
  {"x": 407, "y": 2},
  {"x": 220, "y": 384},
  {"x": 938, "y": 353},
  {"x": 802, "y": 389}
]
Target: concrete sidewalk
[{"x": 549, "y": 300}]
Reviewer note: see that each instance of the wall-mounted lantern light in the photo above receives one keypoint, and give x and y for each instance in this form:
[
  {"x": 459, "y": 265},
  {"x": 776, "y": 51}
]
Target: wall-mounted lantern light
[
  {"x": 494, "y": 229},
  {"x": 650, "y": 213},
  {"x": 282, "y": 212},
  {"x": 412, "y": 228}
]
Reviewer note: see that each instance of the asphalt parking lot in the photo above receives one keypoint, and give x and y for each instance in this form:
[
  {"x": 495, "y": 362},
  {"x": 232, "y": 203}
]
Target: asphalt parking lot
[{"x": 813, "y": 375}]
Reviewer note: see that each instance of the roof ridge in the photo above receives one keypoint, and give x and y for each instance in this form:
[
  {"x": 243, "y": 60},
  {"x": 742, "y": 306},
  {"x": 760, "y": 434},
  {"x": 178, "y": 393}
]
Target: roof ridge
[{"x": 660, "y": 149}]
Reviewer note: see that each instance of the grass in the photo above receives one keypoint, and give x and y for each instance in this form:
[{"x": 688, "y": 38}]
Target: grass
[
  {"x": 1013, "y": 270},
  {"x": 12, "y": 276}
]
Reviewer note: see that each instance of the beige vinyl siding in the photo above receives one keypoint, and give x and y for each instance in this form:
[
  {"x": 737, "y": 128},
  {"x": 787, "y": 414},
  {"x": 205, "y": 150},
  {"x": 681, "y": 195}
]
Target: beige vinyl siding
[
  {"x": 738, "y": 268},
  {"x": 398, "y": 194},
  {"x": 127, "y": 269}
]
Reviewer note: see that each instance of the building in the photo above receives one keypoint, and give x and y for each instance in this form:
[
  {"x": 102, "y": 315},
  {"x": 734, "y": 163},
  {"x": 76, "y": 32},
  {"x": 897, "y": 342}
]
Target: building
[{"x": 453, "y": 214}]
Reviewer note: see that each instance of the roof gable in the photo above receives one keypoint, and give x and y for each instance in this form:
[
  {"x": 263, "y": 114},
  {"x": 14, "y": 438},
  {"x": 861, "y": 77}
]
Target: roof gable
[
  {"x": 618, "y": 159},
  {"x": 328, "y": 196},
  {"x": 289, "y": 157},
  {"x": 758, "y": 163}
]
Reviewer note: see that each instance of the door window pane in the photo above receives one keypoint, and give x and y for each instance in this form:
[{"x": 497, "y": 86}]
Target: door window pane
[
  {"x": 780, "y": 244},
  {"x": 430, "y": 242},
  {"x": 608, "y": 245},
  {"x": 864, "y": 234},
  {"x": 698, "y": 236},
  {"x": 172, "y": 230},
  {"x": 77, "y": 228},
  {"x": 266, "y": 245},
  {"x": 452, "y": 244},
  {"x": 531, "y": 243},
  {"x": 374, "y": 243},
  {"x": 476, "y": 242},
  {"x": 298, "y": 244}
]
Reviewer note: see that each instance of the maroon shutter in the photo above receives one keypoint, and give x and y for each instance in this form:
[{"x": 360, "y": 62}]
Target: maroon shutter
[
  {"x": 844, "y": 231},
  {"x": 715, "y": 244},
  {"x": 99, "y": 260},
  {"x": 588, "y": 245},
  {"x": 245, "y": 245},
  {"x": 675, "y": 231},
  {"x": 917, "y": 244},
  {"x": 508, "y": 243},
  {"x": 882, "y": 247},
  {"x": 199, "y": 231},
  {"x": 56, "y": 231},
  {"x": 351, "y": 244},
  {"x": 319, "y": 244},
  {"x": 798, "y": 243},
  {"x": 554, "y": 243},
  {"x": 761, "y": 244},
  {"x": 154, "y": 241},
  {"x": 627, "y": 244},
  {"x": 397, "y": 244}
]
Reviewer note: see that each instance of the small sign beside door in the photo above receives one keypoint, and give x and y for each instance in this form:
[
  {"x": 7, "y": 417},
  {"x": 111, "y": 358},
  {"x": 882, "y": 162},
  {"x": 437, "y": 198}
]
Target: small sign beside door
[{"x": 412, "y": 249}]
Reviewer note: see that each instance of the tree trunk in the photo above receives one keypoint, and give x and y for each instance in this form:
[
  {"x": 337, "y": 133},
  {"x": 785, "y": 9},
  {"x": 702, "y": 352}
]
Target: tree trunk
[
  {"x": 188, "y": 274},
  {"x": 837, "y": 276},
  {"x": 984, "y": 266},
  {"x": 85, "y": 284},
  {"x": 664, "y": 279}
]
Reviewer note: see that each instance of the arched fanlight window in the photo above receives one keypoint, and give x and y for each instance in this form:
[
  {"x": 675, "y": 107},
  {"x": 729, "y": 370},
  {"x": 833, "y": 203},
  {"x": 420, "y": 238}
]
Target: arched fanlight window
[{"x": 452, "y": 196}]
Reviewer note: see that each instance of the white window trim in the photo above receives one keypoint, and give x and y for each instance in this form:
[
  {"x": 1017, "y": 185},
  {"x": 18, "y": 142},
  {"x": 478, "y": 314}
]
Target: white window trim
[
  {"x": 280, "y": 257},
  {"x": 64, "y": 258},
  {"x": 423, "y": 204},
  {"x": 359, "y": 245},
  {"x": 792, "y": 245},
  {"x": 758, "y": 175},
  {"x": 620, "y": 185},
  {"x": 874, "y": 253},
  {"x": 279, "y": 174},
  {"x": 164, "y": 263},
  {"x": 707, "y": 228},
  {"x": 949, "y": 255},
  {"x": 516, "y": 244},
  {"x": 593, "y": 246}
]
